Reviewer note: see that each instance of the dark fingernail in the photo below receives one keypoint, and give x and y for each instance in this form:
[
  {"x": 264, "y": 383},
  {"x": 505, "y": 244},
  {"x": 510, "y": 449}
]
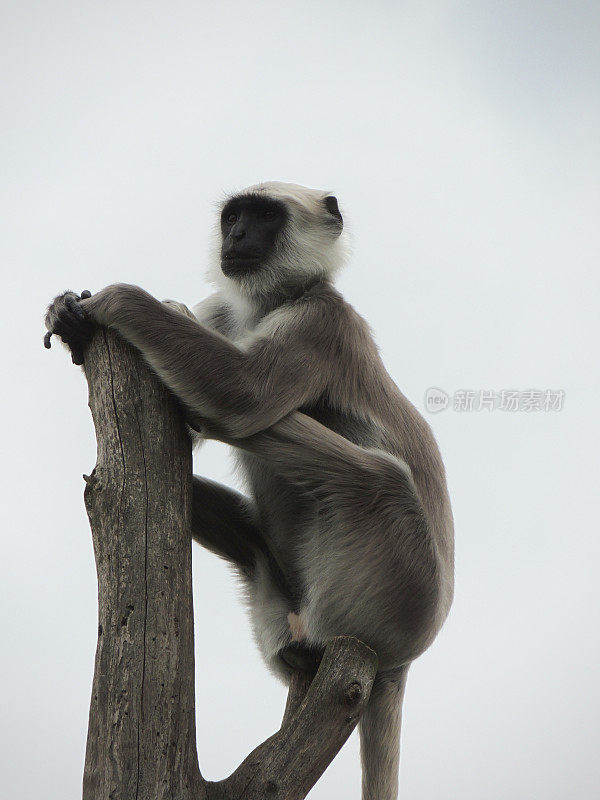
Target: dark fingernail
[
  {"x": 85, "y": 294},
  {"x": 47, "y": 338}
]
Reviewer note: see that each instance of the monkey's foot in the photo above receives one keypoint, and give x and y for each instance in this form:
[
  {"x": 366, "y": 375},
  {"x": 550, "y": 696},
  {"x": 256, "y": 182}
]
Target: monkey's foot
[
  {"x": 300, "y": 657},
  {"x": 297, "y": 627}
]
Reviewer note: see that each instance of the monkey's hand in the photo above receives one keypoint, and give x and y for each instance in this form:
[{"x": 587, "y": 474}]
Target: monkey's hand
[{"x": 66, "y": 318}]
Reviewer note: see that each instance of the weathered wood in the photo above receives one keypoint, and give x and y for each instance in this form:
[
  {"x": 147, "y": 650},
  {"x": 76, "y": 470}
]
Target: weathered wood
[
  {"x": 299, "y": 686},
  {"x": 141, "y": 739},
  {"x": 288, "y": 764}
]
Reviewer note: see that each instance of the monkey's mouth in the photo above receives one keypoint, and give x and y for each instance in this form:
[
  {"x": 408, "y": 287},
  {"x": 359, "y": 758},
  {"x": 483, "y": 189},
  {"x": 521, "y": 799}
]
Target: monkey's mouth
[{"x": 238, "y": 264}]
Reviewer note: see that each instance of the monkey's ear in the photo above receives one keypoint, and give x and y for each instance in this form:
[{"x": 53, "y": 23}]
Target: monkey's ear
[{"x": 331, "y": 204}]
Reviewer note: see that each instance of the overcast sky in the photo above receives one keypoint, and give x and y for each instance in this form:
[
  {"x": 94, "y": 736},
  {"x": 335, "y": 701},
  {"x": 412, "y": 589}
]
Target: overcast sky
[{"x": 462, "y": 142}]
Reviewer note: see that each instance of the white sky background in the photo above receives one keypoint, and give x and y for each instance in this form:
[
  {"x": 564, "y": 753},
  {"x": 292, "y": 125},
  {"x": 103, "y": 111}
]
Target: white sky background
[{"x": 462, "y": 142}]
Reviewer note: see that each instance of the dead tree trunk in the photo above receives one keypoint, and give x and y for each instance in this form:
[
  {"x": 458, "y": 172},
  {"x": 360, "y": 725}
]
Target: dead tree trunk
[{"x": 141, "y": 737}]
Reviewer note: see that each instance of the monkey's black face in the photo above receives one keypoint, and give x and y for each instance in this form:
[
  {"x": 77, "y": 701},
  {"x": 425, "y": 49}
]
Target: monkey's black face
[{"x": 249, "y": 226}]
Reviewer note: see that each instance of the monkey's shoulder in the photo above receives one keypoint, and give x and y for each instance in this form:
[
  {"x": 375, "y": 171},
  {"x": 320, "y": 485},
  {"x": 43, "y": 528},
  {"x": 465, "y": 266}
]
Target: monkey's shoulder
[
  {"x": 322, "y": 315},
  {"x": 319, "y": 322}
]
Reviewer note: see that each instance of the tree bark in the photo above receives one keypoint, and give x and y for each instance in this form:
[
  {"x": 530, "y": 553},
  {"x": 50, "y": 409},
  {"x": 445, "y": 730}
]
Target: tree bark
[
  {"x": 141, "y": 737},
  {"x": 141, "y": 741}
]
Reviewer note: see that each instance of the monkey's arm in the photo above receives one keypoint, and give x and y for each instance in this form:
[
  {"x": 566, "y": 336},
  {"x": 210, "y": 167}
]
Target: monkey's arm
[
  {"x": 181, "y": 307},
  {"x": 239, "y": 391},
  {"x": 211, "y": 312}
]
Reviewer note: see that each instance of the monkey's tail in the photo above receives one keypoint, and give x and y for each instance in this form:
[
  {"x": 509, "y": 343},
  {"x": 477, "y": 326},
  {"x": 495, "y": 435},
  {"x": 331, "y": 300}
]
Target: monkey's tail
[{"x": 379, "y": 730}]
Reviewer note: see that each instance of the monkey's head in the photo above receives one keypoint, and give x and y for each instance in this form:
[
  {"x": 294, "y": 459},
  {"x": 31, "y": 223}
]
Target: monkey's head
[{"x": 278, "y": 237}]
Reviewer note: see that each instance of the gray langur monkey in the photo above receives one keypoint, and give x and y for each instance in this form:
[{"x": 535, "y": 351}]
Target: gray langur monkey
[{"x": 348, "y": 528}]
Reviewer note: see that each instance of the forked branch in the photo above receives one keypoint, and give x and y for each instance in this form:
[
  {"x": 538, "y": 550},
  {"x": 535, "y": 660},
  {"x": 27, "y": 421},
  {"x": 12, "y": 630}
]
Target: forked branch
[{"x": 289, "y": 763}]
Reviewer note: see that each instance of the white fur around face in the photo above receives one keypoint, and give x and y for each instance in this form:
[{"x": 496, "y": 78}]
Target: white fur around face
[{"x": 310, "y": 246}]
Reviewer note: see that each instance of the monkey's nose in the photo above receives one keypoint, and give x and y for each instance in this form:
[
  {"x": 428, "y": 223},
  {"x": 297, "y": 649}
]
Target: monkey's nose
[{"x": 238, "y": 234}]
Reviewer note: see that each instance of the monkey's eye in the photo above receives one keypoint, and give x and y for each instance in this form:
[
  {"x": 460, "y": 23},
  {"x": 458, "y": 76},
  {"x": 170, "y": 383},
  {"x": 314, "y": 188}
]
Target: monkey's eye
[
  {"x": 270, "y": 213},
  {"x": 231, "y": 219}
]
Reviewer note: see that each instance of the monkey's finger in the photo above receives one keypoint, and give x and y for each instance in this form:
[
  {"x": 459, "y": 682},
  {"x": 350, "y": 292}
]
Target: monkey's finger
[
  {"x": 65, "y": 328},
  {"x": 73, "y": 305},
  {"x": 85, "y": 294},
  {"x": 47, "y": 338},
  {"x": 77, "y": 357}
]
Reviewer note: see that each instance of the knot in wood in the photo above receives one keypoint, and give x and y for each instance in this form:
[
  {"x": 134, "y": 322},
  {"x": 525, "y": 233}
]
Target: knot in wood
[{"x": 353, "y": 692}]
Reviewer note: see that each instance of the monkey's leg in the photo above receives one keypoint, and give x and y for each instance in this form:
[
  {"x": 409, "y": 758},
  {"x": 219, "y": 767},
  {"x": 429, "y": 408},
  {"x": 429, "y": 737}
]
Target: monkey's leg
[
  {"x": 320, "y": 460},
  {"x": 226, "y": 523},
  {"x": 373, "y": 549}
]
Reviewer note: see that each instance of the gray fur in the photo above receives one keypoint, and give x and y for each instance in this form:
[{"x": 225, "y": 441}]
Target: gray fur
[{"x": 349, "y": 523}]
